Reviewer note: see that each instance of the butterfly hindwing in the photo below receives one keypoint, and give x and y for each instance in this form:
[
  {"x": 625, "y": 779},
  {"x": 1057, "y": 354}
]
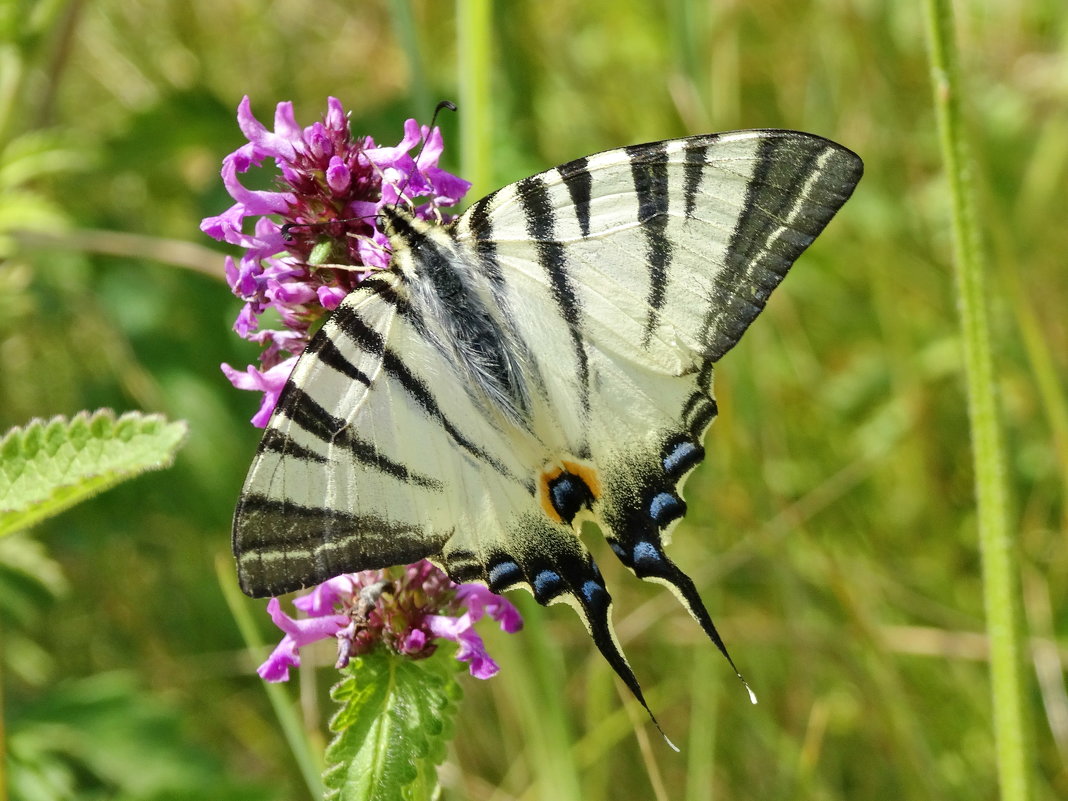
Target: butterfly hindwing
[
  {"x": 544, "y": 360},
  {"x": 650, "y": 262}
]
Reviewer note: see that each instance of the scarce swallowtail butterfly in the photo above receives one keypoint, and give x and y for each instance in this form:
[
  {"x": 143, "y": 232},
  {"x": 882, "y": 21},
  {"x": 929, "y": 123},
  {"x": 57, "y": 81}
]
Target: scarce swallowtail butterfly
[{"x": 543, "y": 360}]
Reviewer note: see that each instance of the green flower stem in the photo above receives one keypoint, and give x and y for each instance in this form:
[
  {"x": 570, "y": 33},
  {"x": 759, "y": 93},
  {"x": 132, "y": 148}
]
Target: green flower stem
[
  {"x": 310, "y": 768},
  {"x": 474, "y": 23},
  {"x": 1000, "y": 576},
  {"x": 408, "y": 36}
]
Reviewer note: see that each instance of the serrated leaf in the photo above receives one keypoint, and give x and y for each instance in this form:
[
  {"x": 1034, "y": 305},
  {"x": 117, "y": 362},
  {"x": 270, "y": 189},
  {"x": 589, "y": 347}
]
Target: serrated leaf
[
  {"x": 394, "y": 722},
  {"x": 48, "y": 466}
]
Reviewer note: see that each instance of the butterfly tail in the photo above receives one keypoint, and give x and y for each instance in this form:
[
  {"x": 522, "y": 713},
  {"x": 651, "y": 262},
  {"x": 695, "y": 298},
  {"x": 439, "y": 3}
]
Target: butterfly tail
[
  {"x": 594, "y": 606},
  {"x": 649, "y": 562}
]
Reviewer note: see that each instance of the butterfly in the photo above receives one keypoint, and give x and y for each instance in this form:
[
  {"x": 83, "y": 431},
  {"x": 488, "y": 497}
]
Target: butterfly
[{"x": 543, "y": 360}]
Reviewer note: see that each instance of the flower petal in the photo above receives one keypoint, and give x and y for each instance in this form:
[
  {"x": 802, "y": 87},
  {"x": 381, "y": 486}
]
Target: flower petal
[
  {"x": 279, "y": 144},
  {"x": 330, "y": 297},
  {"x": 338, "y": 176},
  {"x": 326, "y": 596},
  {"x": 336, "y": 119},
  {"x": 472, "y": 649},
  {"x": 305, "y": 630},
  {"x": 253, "y": 202},
  {"x": 269, "y": 382},
  {"x": 480, "y": 601},
  {"x": 282, "y": 658}
]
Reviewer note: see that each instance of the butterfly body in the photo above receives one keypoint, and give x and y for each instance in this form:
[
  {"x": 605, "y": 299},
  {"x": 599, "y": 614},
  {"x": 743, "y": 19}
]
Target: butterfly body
[{"x": 545, "y": 359}]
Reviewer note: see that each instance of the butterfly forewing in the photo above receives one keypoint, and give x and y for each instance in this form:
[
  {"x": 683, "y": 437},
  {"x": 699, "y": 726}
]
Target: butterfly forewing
[{"x": 545, "y": 360}]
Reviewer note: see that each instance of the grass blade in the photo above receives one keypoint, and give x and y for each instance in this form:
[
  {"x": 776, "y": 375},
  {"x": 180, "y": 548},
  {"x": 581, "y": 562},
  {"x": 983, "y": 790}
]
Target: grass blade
[{"x": 1000, "y": 575}]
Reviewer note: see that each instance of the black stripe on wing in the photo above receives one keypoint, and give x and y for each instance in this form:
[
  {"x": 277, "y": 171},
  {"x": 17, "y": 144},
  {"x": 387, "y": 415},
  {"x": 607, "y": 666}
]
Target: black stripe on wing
[
  {"x": 698, "y": 413},
  {"x": 649, "y": 170},
  {"x": 579, "y": 183},
  {"x": 282, "y": 546},
  {"x": 533, "y": 195},
  {"x": 328, "y": 353},
  {"x": 797, "y": 185},
  {"x": 348, "y": 321},
  {"x": 384, "y": 285},
  {"x": 481, "y": 226},
  {"x": 693, "y": 171},
  {"x": 303, "y": 411},
  {"x": 274, "y": 441}
]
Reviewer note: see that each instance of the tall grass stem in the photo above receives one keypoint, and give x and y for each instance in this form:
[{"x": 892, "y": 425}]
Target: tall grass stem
[
  {"x": 999, "y": 567},
  {"x": 408, "y": 36},
  {"x": 310, "y": 768},
  {"x": 474, "y": 34}
]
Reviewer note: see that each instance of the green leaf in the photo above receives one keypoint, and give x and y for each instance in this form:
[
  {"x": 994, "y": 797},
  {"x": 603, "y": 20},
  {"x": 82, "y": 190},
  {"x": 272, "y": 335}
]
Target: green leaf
[
  {"x": 48, "y": 466},
  {"x": 105, "y": 737},
  {"x": 392, "y": 728}
]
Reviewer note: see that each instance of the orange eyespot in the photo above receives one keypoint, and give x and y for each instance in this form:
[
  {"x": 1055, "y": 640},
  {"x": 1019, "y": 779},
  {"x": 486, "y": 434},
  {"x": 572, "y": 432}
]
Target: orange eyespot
[{"x": 565, "y": 488}]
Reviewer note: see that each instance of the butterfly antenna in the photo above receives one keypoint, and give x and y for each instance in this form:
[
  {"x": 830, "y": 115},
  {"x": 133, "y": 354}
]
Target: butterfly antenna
[{"x": 422, "y": 144}]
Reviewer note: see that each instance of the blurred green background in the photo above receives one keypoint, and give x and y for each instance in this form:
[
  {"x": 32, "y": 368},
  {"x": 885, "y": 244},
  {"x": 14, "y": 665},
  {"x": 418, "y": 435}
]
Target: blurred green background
[{"x": 832, "y": 528}]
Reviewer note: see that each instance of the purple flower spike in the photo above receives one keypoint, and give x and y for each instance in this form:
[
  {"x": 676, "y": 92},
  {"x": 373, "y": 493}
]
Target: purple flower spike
[
  {"x": 330, "y": 189},
  {"x": 313, "y": 241}
]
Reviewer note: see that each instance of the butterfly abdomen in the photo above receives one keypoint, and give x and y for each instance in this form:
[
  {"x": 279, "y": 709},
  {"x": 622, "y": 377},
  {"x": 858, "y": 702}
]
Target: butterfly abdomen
[{"x": 453, "y": 305}]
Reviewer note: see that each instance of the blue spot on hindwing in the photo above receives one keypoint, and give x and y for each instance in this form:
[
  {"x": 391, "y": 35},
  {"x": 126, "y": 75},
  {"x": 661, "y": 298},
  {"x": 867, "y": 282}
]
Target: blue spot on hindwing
[
  {"x": 545, "y": 583},
  {"x": 665, "y": 507},
  {"x": 504, "y": 573},
  {"x": 682, "y": 457},
  {"x": 645, "y": 552},
  {"x": 591, "y": 589}
]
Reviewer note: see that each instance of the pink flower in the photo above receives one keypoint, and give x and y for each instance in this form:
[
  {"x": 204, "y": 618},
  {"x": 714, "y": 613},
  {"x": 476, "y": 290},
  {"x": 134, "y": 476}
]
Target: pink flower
[
  {"x": 472, "y": 649},
  {"x": 404, "y": 610},
  {"x": 269, "y": 382},
  {"x": 480, "y": 601},
  {"x": 331, "y": 187},
  {"x": 297, "y": 633}
]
